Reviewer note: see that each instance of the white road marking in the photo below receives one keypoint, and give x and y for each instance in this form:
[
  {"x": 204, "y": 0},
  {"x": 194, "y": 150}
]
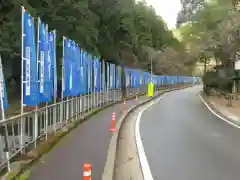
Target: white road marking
[
  {"x": 147, "y": 175},
  {"x": 220, "y": 117}
]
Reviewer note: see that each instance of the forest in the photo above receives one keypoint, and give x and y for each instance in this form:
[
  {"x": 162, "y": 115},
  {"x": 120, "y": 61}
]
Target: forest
[
  {"x": 120, "y": 31},
  {"x": 127, "y": 33},
  {"x": 210, "y": 32}
]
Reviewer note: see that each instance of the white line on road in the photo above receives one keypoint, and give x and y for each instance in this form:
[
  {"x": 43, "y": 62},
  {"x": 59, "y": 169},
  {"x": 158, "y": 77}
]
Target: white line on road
[
  {"x": 147, "y": 175},
  {"x": 220, "y": 117}
]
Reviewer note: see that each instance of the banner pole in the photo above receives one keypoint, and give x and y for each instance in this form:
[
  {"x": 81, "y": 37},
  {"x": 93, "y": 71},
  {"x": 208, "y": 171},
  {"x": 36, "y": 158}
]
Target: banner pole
[
  {"x": 94, "y": 83},
  {"x": 107, "y": 88},
  {"x": 63, "y": 81},
  {"x": 103, "y": 84},
  {"x": 92, "y": 86},
  {"x": 22, "y": 79},
  {"x": 46, "y": 106},
  {"x": 114, "y": 83},
  {"x": 54, "y": 84},
  {"x": 36, "y": 112},
  {"x": 88, "y": 87},
  {"x": 99, "y": 82}
]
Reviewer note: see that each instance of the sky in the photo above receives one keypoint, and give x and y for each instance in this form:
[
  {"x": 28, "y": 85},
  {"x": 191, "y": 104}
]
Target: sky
[{"x": 167, "y": 9}]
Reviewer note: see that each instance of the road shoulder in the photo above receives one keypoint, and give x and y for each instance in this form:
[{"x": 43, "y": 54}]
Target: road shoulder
[
  {"x": 220, "y": 108},
  {"x": 127, "y": 161}
]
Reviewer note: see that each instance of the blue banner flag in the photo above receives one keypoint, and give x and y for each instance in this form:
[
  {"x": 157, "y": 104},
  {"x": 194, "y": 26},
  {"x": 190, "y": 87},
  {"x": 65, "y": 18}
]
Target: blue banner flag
[
  {"x": 77, "y": 79},
  {"x": 72, "y": 68},
  {"x": 45, "y": 64},
  {"x": 96, "y": 72},
  {"x": 81, "y": 73},
  {"x": 103, "y": 77},
  {"x": 67, "y": 47},
  {"x": 3, "y": 91},
  {"x": 99, "y": 76},
  {"x": 52, "y": 56},
  {"x": 90, "y": 70},
  {"x": 118, "y": 77},
  {"x": 112, "y": 82},
  {"x": 75, "y": 69},
  {"x": 127, "y": 77},
  {"x": 29, "y": 69},
  {"x": 85, "y": 72}
]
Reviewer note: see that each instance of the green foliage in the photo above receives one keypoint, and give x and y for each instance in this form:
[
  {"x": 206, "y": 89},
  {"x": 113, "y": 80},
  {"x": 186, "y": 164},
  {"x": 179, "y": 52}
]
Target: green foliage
[
  {"x": 120, "y": 31},
  {"x": 212, "y": 32}
]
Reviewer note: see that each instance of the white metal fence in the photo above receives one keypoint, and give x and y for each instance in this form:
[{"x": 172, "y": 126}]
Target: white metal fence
[{"x": 22, "y": 132}]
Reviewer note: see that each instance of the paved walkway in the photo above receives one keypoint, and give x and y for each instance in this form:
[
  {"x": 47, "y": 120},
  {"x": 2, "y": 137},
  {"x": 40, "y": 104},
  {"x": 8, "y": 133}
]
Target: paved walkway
[
  {"x": 88, "y": 143},
  {"x": 184, "y": 141}
]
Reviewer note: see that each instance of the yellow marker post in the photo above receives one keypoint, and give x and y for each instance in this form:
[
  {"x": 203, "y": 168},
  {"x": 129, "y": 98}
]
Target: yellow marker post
[{"x": 150, "y": 89}]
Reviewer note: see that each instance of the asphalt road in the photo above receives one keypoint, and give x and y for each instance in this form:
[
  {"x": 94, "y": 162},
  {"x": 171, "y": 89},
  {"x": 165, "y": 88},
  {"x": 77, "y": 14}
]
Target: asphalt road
[
  {"x": 184, "y": 141},
  {"x": 88, "y": 143}
]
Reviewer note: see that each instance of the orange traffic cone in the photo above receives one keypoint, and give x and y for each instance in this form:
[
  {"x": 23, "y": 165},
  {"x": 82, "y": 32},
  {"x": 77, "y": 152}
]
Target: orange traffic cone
[
  {"x": 87, "y": 171},
  {"x": 113, "y": 128}
]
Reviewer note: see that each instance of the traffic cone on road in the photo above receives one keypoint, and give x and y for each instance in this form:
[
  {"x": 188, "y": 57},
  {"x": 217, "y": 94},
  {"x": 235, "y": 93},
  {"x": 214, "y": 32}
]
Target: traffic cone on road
[
  {"x": 113, "y": 128},
  {"x": 87, "y": 171}
]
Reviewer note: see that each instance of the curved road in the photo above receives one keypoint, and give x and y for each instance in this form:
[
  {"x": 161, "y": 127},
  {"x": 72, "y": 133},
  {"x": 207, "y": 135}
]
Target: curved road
[{"x": 184, "y": 141}]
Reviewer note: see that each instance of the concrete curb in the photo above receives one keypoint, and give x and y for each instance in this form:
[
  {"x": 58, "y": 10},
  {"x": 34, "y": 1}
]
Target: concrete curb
[
  {"x": 109, "y": 168},
  {"x": 216, "y": 113}
]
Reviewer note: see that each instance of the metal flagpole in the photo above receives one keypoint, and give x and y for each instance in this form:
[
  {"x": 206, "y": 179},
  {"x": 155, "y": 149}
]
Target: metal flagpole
[
  {"x": 100, "y": 82},
  {"x": 82, "y": 100},
  {"x": 63, "y": 87},
  {"x": 89, "y": 86},
  {"x": 81, "y": 97},
  {"x": 107, "y": 83},
  {"x": 103, "y": 82},
  {"x": 46, "y": 107},
  {"x": 99, "y": 88},
  {"x": 36, "y": 112},
  {"x": 114, "y": 83},
  {"x": 73, "y": 98},
  {"x": 22, "y": 79},
  {"x": 5, "y": 131},
  {"x": 55, "y": 84},
  {"x": 92, "y": 86},
  {"x": 94, "y": 83},
  {"x": 120, "y": 83},
  {"x": 70, "y": 87},
  {"x": 96, "y": 89}
]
